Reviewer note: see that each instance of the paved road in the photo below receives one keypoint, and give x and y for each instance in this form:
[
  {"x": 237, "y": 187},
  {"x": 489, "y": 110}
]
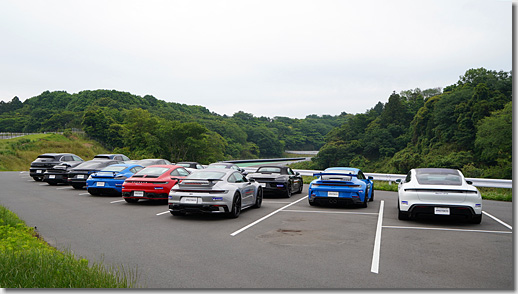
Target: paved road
[{"x": 284, "y": 244}]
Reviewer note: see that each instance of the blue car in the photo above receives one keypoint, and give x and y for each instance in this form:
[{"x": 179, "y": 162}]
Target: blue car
[
  {"x": 109, "y": 180},
  {"x": 342, "y": 186}
]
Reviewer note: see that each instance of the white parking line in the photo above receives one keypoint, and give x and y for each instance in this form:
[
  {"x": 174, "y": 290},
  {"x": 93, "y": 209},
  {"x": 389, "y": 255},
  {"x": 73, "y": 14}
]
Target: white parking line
[
  {"x": 377, "y": 241},
  {"x": 163, "y": 212},
  {"x": 444, "y": 229},
  {"x": 63, "y": 188},
  {"x": 84, "y": 194},
  {"x": 280, "y": 202},
  {"x": 267, "y": 216},
  {"x": 43, "y": 184},
  {"x": 117, "y": 201},
  {"x": 506, "y": 225}
]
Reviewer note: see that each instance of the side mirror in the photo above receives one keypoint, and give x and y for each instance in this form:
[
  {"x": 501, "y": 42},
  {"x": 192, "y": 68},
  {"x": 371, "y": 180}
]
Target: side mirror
[
  {"x": 251, "y": 180},
  {"x": 371, "y": 178},
  {"x": 469, "y": 182},
  {"x": 297, "y": 173},
  {"x": 398, "y": 181}
]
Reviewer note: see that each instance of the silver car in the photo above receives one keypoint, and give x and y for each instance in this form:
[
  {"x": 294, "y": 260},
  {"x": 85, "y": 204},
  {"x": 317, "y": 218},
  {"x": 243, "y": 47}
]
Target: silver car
[
  {"x": 438, "y": 191},
  {"x": 224, "y": 191}
]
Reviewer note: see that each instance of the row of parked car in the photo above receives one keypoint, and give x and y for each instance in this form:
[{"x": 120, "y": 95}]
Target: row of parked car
[
  {"x": 220, "y": 187},
  {"x": 224, "y": 187}
]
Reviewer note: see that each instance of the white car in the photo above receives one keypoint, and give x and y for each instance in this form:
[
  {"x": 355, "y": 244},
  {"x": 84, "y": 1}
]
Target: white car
[
  {"x": 215, "y": 190},
  {"x": 438, "y": 191}
]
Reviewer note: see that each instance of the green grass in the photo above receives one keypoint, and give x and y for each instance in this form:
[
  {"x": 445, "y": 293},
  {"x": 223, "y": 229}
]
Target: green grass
[
  {"x": 26, "y": 261},
  {"x": 17, "y": 154}
]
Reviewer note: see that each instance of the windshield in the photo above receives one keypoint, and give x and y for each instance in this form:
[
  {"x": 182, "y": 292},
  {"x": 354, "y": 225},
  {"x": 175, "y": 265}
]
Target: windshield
[
  {"x": 115, "y": 168},
  {"x": 217, "y": 166},
  {"x": 206, "y": 175},
  {"x": 90, "y": 165},
  {"x": 152, "y": 171},
  {"x": 269, "y": 170},
  {"x": 184, "y": 164},
  {"x": 45, "y": 158},
  {"x": 438, "y": 177}
]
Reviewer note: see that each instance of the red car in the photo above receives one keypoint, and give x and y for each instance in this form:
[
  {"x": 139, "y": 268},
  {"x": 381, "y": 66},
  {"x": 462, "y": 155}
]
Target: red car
[{"x": 153, "y": 182}]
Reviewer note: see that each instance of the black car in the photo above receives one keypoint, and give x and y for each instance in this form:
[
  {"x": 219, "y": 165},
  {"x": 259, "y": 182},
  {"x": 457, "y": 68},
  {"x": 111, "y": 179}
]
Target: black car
[
  {"x": 119, "y": 157},
  {"x": 58, "y": 174},
  {"x": 226, "y": 165},
  {"x": 48, "y": 160},
  {"x": 278, "y": 179},
  {"x": 78, "y": 175}
]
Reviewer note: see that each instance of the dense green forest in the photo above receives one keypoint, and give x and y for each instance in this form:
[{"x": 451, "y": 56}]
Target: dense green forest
[
  {"x": 467, "y": 125},
  {"x": 145, "y": 127}
]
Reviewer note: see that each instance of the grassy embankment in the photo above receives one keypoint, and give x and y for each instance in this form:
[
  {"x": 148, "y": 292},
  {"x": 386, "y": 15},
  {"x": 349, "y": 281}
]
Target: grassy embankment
[{"x": 26, "y": 261}]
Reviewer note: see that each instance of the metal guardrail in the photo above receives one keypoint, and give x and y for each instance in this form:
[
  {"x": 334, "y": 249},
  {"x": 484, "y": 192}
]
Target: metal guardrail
[{"x": 477, "y": 182}]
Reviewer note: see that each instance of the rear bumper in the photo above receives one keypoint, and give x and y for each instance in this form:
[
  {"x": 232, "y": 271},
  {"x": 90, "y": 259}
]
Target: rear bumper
[
  {"x": 429, "y": 209},
  {"x": 147, "y": 195},
  {"x": 199, "y": 208},
  {"x": 335, "y": 200}
]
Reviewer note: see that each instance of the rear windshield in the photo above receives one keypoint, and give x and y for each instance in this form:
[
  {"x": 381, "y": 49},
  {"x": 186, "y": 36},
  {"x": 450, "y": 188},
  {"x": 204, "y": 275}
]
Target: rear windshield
[
  {"x": 152, "y": 171},
  {"x": 45, "y": 158},
  {"x": 438, "y": 177},
  {"x": 91, "y": 165},
  {"x": 269, "y": 170},
  {"x": 184, "y": 164},
  {"x": 114, "y": 168},
  {"x": 206, "y": 175}
]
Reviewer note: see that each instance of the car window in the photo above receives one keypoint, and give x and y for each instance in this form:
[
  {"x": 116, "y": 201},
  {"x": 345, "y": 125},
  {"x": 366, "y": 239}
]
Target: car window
[
  {"x": 118, "y": 158},
  {"x": 67, "y": 158},
  {"x": 290, "y": 172},
  {"x": 199, "y": 166},
  {"x": 438, "y": 177},
  {"x": 269, "y": 170},
  {"x": 76, "y": 158},
  {"x": 182, "y": 172},
  {"x": 361, "y": 176},
  {"x": 408, "y": 177},
  {"x": 125, "y": 158}
]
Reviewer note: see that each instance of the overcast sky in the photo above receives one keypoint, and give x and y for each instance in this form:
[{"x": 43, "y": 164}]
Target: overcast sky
[{"x": 269, "y": 58}]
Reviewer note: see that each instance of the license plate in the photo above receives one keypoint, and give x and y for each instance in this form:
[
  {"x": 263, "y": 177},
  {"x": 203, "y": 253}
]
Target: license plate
[
  {"x": 442, "y": 210},
  {"x": 38, "y": 171},
  {"x": 100, "y": 184},
  {"x": 332, "y": 194},
  {"x": 52, "y": 176},
  {"x": 80, "y": 176},
  {"x": 138, "y": 193},
  {"x": 189, "y": 200}
]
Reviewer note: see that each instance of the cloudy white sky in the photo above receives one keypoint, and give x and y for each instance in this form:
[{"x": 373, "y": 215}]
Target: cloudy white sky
[{"x": 266, "y": 57}]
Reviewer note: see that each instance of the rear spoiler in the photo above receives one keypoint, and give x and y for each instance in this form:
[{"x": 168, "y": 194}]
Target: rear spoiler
[{"x": 334, "y": 174}]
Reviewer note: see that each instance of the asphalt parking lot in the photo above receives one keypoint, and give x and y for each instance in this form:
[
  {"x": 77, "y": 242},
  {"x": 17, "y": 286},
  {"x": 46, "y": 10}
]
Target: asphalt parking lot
[{"x": 285, "y": 244}]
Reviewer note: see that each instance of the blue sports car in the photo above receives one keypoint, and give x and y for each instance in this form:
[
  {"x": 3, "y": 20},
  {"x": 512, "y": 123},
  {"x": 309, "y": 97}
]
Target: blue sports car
[
  {"x": 341, "y": 185},
  {"x": 109, "y": 179}
]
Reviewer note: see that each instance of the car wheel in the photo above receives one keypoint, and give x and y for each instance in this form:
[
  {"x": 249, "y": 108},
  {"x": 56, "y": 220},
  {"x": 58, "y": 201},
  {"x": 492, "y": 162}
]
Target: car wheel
[
  {"x": 78, "y": 186},
  {"x": 288, "y": 191},
  {"x": 236, "y": 206},
  {"x": 131, "y": 200},
  {"x": 372, "y": 195},
  {"x": 477, "y": 219},
  {"x": 258, "y": 198},
  {"x": 312, "y": 203},
  {"x": 177, "y": 213},
  {"x": 401, "y": 214}
]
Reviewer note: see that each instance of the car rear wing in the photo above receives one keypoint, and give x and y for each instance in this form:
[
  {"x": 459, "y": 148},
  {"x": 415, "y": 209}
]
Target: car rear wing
[{"x": 335, "y": 176}]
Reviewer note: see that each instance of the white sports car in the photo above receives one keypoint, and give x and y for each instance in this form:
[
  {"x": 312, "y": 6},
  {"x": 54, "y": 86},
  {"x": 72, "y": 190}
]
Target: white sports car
[
  {"x": 438, "y": 191},
  {"x": 215, "y": 191}
]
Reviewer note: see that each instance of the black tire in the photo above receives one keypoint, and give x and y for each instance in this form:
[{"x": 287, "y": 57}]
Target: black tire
[
  {"x": 176, "y": 212},
  {"x": 372, "y": 195},
  {"x": 236, "y": 206},
  {"x": 259, "y": 198},
  {"x": 476, "y": 219},
  {"x": 312, "y": 203},
  {"x": 131, "y": 200},
  {"x": 78, "y": 186},
  {"x": 365, "y": 201},
  {"x": 288, "y": 191},
  {"x": 401, "y": 214}
]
